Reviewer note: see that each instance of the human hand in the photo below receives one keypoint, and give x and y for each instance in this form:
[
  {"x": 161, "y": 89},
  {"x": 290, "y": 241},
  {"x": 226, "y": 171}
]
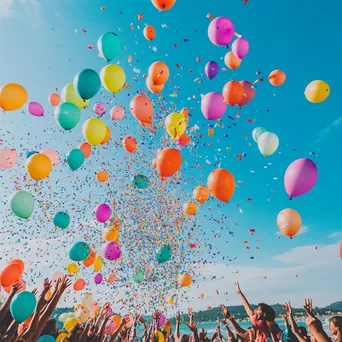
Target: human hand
[
  {"x": 64, "y": 284},
  {"x": 17, "y": 286},
  {"x": 104, "y": 308},
  {"x": 177, "y": 316},
  {"x": 125, "y": 320},
  {"x": 192, "y": 326},
  {"x": 225, "y": 311},
  {"x": 237, "y": 288},
  {"x": 288, "y": 308},
  {"x": 190, "y": 312},
  {"x": 308, "y": 307}
]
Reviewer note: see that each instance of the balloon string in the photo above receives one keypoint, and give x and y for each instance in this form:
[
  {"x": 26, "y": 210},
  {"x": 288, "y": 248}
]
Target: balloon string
[
  {"x": 258, "y": 80},
  {"x": 237, "y": 35}
]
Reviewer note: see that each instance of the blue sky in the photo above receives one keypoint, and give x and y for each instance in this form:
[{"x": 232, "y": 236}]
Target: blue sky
[{"x": 41, "y": 50}]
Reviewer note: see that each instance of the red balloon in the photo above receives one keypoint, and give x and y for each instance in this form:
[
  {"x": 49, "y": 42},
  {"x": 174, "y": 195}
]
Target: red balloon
[
  {"x": 10, "y": 274},
  {"x": 18, "y": 262},
  {"x": 232, "y": 92},
  {"x": 142, "y": 108},
  {"x": 248, "y": 91},
  {"x": 149, "y": 32},
  {"x": 168, "y": 162},
  {"x": 129, "y": 144}
]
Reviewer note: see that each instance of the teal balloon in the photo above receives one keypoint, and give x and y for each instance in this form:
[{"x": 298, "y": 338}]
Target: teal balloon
[
  {"x": 22, "y": 306},
  {"x": 163, "y": 254},
  {"x": 22, "y": 204},
  {"x": 140, "y": 181},
  {"x": 46, "y": 338},
  {"x": 79, "y": 251},
  {"x": 29, "y": 154},
  {"x": 109, "y": 46},
  {"x": 61, "y": 220},
  {"x": 67, "y": 115},
  {"x": 75, "y": 158},
  {"x": 138, "y": 276},
  {"x": 87, "y": 83},
  {"x": 257, "y": 132}
]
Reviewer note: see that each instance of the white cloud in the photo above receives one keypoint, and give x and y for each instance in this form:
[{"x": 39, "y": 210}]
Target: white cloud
[
  {"x": 10, "y": 8},
  {"x": 303, "y": 230},
  {"x": 337, "y": 122},
  {"x": 335, "y": 235},
  {"x": 6, "y": 8}
]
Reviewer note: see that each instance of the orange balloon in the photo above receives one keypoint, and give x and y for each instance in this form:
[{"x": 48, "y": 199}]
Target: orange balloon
[
  {"x": 163, "y": 5},
  {"x": 111, "y": 278},
  {"x": 232, "y": 92},
  {"x": 141, "y": 108},
  {"x": 185, "y": 113},
  {"x": 24, "y": 325},
  {"x": 190, "y": 208},
  {"x": 79, "y": 284},
  {"x": 184, "y": 279},
  {"x": 111, "y": 234},
  {"x": 231, "y": 61},
  {"x": 159, "y": 73},
  {"x": 183, "y": 140},
  {"x": 102, "y": 176},
  {"x": 21, "y": 282},
  {"x": 117, "y": 320},
  {"x": 201, "y": 194},
  {"x": 90, "y": 258},
  {"x": 12, "y": 96},
  {"x": 54, "y": 99},
  {"x": 129, "y": 144},
  {"x": 86, "y": 149},
  {"x": 38, "y": 166},
  {"x": 10, "y": 274},
  {"x": 221, "y": 184},
  {"x": 18, "y": 262},
  {"x": 277, "y": 77},
  {"x": 153, "y": 88},
  {"x": 289, "y": 222},
  {"x": 149, "y": 32},
  {"x": 168, "y": 162},
  {"x": 107, "y": 136}
]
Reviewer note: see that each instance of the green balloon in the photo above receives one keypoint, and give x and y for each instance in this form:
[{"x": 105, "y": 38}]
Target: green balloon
[
  {"x": 75, "y": 158},
  {"x": 79, "y": 251},
  {"x": 140, "y": 181},
  {"x": 109, "y": 46},
  {"x": 87, "y": 83},
  {"x": 61, "y": 220},
  {"x": 22, "y": 306},
  {"x": 163, "y": 254},
  {"x": 138, "y": 276},
  {"x": 22, "y": 204},
  {"x": 67, "y": 115},
  {"x": 257, "y": 132}
]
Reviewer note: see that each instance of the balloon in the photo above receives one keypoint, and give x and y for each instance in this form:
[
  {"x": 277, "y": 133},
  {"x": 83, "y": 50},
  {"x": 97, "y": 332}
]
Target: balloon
[
  {"x": 82, "y": 314},
  {"x": 163, "y": 5},
  {"x": 170, "y": 301},
  {"x": 35, "y": 109},
  {"x": 289, "y": 222},
  {"x": 211, "y": 69},
  {"x": 87, "y": 83},
  {"x": 300, "y": 177},
  {"x": 61, "y": 336},
  {"x": 54, "y": 99},
  {"x": 111, "y": 234},
  {"x": 10, "y": 274},
  {"x": 70, "y": 323},
  {"x": 116, "y": 319},
  {"x": 129, "y": 144},
  {"x": 88, "y": 300},
  {"x": 22, "y": 306},
  {"x": 210, "y": 132},
  {"x": 213, "y": 106},
  {"x": 232, "y": 92},
  {"x": 75, "y": 159},
  {"x": 117, "y": 113},
  {"x": 67, "y": 115},
  {"x": 12, "y": 96},
  {"x": 175, "y": 125},
  {"x": 86, "y": 149},
  {"x": 90, "y": 258},
  {"x": 231, "y": 61},
  {"x": 79, "y": 251},
  {"x": 168, "y": 162},
  {"x": 149, "y": 32},
  {"x": 257, "y": 132},
  {"x": 29, "y": 154},
  {"x": 240, "y": 47},
  {"x": 63, "y": 317},
  {"x": 158, "y": 335},
  {"x": 22, "y": 204},
  {"x": 103, "y": 212},
  {"x": 72, "y": 269},
  {"x": 153, "y": 88},
  {"x": 97, "y": 263},
  {"x": 53, "y": 155},
  {"x": 61, "y": 220},
  {"x": 109, "y": 46},
  {"x": 268, "y": 143},
  {"x": 22, "y": 284},
  {"x": 94, "y": 131},
  {"x": 163, "y": 254},
  {"x": 38, "y": 166},
  {"x": 18, "y": 262},
  {"x": 111, "y": 278},
  {"x": 162, "y": 320},
  {"x": 138, "y": 276},
  {"x": 159, "y": 73},
  {"x": 102, "y": 176},
  {"x": 111, "y": 251},
  {"x": 183, "y": 140},
  {"x": 69, "y": 94},
  {"x": 113, "y": 78},
  {"x": 46, "y": 338},
  {"x": 98, "y": 278},
  {"x": 8, "y": 158},
  {"x": 107, "y": 136},
  {"x": 110, "y": 327},
  {"x": 140, "y": 181},
  {"x": 79, "y": 284},
  {"x": 317, "y": 91},
  {"x": 184, "y": 280},
  {"x": 201, "y": 194},
  {"x": 221, "y": 31},
  {"x": 277, "y": 77},
  {"x": 190, "y": 208},
  {"x": 142, "y": 109},
  {"x": 99, "y": 108},
  {"x": 249, "y": 92},
  {"x": 221, "y": 184}
]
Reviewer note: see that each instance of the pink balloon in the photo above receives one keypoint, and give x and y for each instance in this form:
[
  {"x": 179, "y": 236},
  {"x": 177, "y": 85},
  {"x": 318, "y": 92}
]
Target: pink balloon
[
  {"x": 213, "y": 106},
  {"x": 111, "y": 250},
  {"x": 110, "y": 327},
  {"x": 103, "y": 212},
  {"x": 35, "y": 109},
  {"x": 99, "y": 108},
  {"x": 53, "y": 155},
  {"x": 8, "y": 158},
  {"x": 117, "y": 113},
  {"x": 221, "y": 31},
  {"x": 98, "y": 278},
  {"x": 249, "y": 93},
  {"x": 162, "y": 319},
  {"x": 240, "y": 47},
  {"x": 300, "y": 177}
]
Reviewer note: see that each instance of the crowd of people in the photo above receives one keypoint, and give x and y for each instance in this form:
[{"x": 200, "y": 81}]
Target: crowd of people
[{"x": 263, "y": 327}]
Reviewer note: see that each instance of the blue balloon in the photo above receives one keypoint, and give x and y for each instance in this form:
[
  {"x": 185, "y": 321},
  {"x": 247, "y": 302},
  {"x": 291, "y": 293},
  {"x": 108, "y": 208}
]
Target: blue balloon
[
  {"x": 61, "y": 220},
  {"x": 109, "y": 46},
  {"x": 22, "y": 306},
  {"x": 29, "y": 154},
  {"x": 46, "y": 338},
  {"x": 87, "y": 83},
  {"x": 140, "y": 181},
  {"x": 75, "y": 158},
  {"x": 163, "y": 254},
  {"x": 79, "y": 251}
]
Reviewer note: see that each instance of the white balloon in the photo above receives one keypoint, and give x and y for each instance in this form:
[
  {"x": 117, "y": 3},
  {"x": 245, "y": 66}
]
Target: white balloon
[
  {"x": 268, "y": 143},
  {"x": 88, "y": 300},
  {"x": 82, "y": 314},
  {"x": 63, "y": 317}
]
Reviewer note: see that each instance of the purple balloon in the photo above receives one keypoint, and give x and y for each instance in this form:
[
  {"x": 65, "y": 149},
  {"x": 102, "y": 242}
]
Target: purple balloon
[
  {"x": 162, "y": 319},
  {"x": 300, "y": 177},
  {"x": 98, "y": 278},
  {"x": 240, "y": 47},
  {"x": 211, "y": 69},
  {"x": 213, "y": 106},
  {"x": 111, "y": 250},
  {"x": 249, "y": 91},
  {"x": 35, "y": 109},
  {"x": 103, "y": 212},
  {"x": 221, "y": 31}
]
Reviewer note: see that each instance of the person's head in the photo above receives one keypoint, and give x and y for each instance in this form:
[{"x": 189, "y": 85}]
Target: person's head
[
  {"x": 335, "y": 325},
  {"x": 75, "y": 333},
  {"x": 50, "y": 327},
  {"x": 251, "y": 334},
  {"x": 265, "y": 312},
  {"x": 185, "y": 338},
  {"x": 302, "y": 331}
]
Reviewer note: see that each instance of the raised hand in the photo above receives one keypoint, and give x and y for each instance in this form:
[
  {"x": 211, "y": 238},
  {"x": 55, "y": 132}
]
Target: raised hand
[
  {"x": 237, "y": 288},
  {"x": 125, "y": 320},
  {"x": 288, "y": 308},
  {"x": 177, "y": 316},
  {"x": 104, "y": 309},
  {"x": 225, "y": 311},
  {"x": 16, "y": 288},
  {"x": 190, "y": 312},
  {"x": 308, "y": 307},
  {"x": 192, "y": 326},
  {"x": 64, "y": 284}
]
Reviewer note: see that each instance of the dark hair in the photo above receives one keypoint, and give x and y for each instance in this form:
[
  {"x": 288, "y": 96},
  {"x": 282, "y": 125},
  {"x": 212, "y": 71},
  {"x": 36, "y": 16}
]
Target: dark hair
[
  {"x": 269, "y": 312},
  {"x": 303, "y": 332},
  {"x": 6, "y": 321},
  {"x": 337, "y": 320},
  {"x": 50, "y": 328},
  {"x": 185, "y": 338}
]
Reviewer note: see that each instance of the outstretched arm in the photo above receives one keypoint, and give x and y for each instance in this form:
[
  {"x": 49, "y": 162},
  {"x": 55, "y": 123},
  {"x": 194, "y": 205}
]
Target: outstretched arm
[
  {"x": 6, "y": 305},
  {"x": 230, "y": 334},
  {"x": 240, "y": 331},
  {"x": 294, "y": 326},
  {"x": 316, "y": 329},
  {"x": 193, "y": 327},
  {"x": 245, "y": 303},
  {"x": 177, "y": 333},
  {"x": 118, "y": 330}
]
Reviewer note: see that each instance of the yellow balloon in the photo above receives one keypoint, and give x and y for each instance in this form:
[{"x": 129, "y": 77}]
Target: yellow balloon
[
  {"x": 170, "y": 301},
  {"x": 97, "y": 264},
  {"x": 77, "y": 306},
  {"x": 175, "y": 125},
  {"x": 70, "y": 323},
  {"x": 111, "y": 234},
  {"x": 317, "y": 91},
  {"x": 72, "y": 268},
  {"x": 38, "y": 166},
  {"x": 113, "y": 78},
  {"x": 210, "y": 132},
  {"x": 94, "y": 131},
  {"x": 61, "y": 336},
  {"x": 159, "y": 336},
  {"x": 69, "y": 94},
  {"x": 12, "y": 96}
]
